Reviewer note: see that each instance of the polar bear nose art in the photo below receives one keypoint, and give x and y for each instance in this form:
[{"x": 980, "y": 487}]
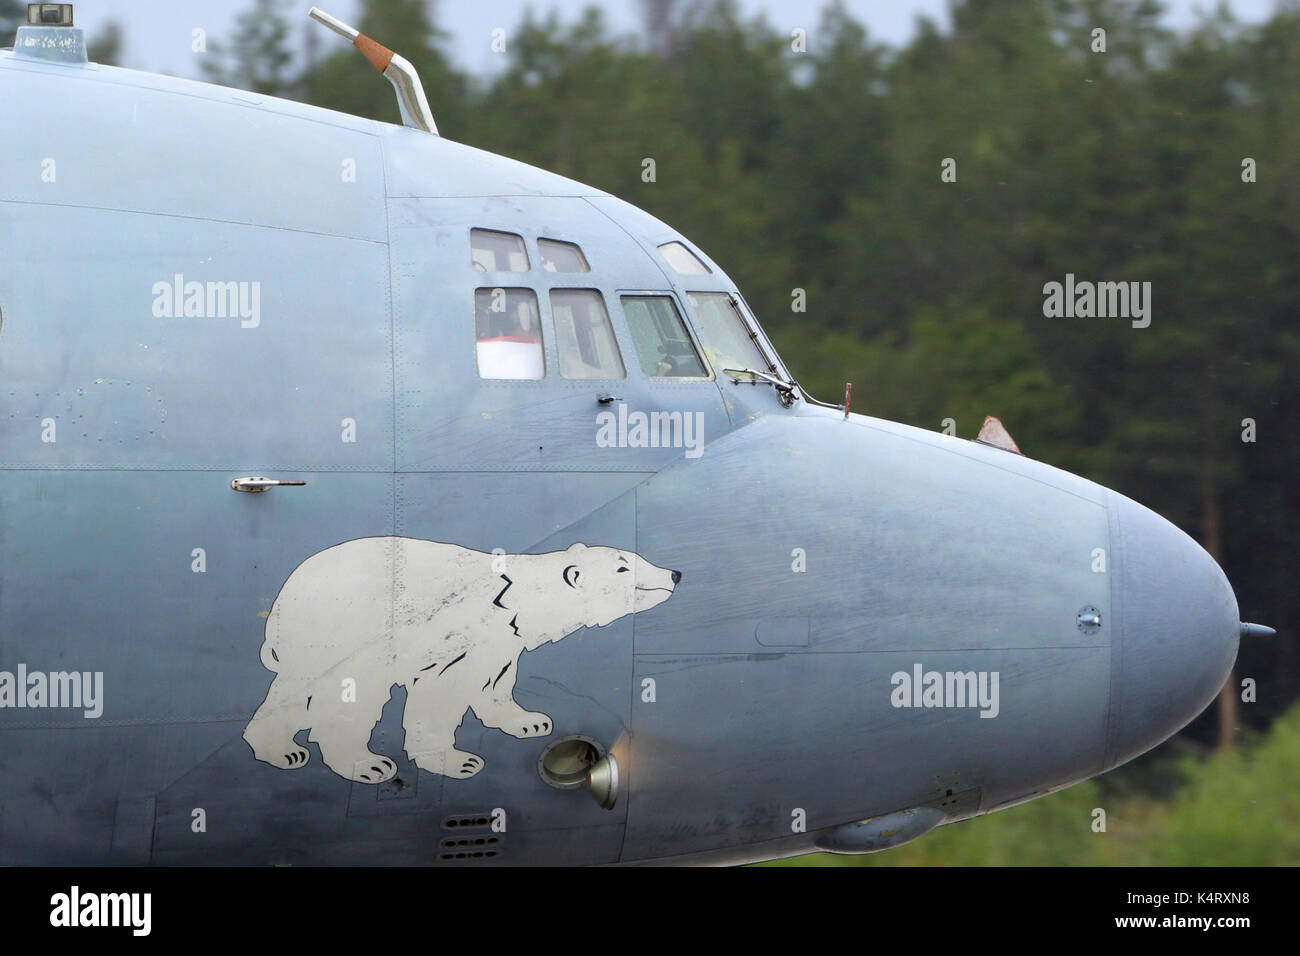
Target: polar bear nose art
[{"x": 456, "y": 650}]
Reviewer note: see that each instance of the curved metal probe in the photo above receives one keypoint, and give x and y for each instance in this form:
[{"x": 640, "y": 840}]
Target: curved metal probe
[{"x": 405, "y": 80}]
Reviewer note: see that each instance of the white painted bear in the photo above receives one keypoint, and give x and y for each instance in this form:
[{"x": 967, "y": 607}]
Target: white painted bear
[{"x": 447, "y": 623}]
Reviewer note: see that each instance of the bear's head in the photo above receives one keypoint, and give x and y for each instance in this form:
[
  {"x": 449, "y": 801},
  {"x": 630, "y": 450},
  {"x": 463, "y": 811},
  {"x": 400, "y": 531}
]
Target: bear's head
[{"x": 609, "y": 583}]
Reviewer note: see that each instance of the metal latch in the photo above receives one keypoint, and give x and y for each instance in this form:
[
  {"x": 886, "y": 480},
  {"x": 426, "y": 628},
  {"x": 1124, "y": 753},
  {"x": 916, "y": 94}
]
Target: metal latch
[{"x": 254, "y": 485}]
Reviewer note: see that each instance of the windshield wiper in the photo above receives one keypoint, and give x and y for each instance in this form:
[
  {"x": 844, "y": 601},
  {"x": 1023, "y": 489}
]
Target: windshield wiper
[{"x": 785, "y": 389}]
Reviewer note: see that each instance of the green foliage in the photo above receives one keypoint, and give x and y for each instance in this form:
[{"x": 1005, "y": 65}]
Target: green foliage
[
  {"x": 957, "y": 363},
  {"x": 259, "y": 57},
  {"x": 13, "y": 13},
  {"x": 1239, "y": 808},
  {"x": 106, "y": 47}
]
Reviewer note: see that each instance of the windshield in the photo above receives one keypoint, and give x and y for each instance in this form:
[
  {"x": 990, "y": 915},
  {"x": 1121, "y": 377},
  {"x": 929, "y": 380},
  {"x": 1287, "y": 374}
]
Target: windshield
[{"x": 725, "y": 334}]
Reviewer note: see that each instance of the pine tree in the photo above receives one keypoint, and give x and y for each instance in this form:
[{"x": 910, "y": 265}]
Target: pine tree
[{"x": 258, "y": 58}]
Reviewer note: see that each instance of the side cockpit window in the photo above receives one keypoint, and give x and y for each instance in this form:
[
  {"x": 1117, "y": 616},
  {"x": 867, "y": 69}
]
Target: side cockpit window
[
  {"x": 682, "y": 259},
  {"x": 583, "y": 335},
  {"x": 498, "y": 251},
  {"x": 560, "y": 256},
  {"x": 509, "y": 332},
  {"x": 663, "y": 346}
]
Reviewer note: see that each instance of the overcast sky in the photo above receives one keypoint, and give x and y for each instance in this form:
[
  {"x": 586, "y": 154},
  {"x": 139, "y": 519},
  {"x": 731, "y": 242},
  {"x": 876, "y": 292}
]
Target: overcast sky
[{"x": 158, "y": 31}]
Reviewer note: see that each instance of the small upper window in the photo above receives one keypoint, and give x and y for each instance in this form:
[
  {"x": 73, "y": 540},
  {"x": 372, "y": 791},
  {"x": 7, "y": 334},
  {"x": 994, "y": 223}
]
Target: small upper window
[
  {"x": 724, "y": 333},
  {"x": 583, "y": 335},
  {"x": 561, "y": 256},
  {"x": 509, "y": 332},
  {"x": 663, "y": 345},
  {"x": 683, "y": 260},
  {"x": 498, "y": 251}
]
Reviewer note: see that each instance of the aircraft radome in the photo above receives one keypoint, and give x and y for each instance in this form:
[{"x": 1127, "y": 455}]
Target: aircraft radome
[{"x": 369, "y": 498}]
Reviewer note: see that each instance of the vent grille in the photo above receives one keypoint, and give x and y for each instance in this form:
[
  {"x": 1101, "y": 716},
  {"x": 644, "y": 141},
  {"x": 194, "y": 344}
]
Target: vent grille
[
  {"x": 471, "y": 842},
  {"x": 467, "y": 855},
  {"x": 467, "y": 821}
]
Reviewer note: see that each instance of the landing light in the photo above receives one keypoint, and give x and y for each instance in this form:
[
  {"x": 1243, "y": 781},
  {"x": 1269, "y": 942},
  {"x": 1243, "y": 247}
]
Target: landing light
[
  {"x": 576, "y": 761},
  {"x": 602, "y": 781}
]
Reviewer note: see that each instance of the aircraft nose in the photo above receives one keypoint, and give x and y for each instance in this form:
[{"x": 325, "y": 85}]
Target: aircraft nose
[
  {"x": 677, "y": 577},
  {"x": 1175, "y": 629}
]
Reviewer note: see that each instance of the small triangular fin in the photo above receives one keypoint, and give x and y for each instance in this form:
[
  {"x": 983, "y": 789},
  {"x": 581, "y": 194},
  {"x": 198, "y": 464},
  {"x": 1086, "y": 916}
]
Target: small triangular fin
[{"x": 993, "y": 432}]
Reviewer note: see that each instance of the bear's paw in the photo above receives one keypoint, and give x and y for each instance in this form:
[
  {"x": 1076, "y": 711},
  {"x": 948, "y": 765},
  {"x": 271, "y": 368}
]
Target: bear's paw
[
  {"x": 528, "y": 724},
  {"x": 292, "y": 758},
  {"x": 374, "y": 769},
  {"x": 450, "y": 763}
]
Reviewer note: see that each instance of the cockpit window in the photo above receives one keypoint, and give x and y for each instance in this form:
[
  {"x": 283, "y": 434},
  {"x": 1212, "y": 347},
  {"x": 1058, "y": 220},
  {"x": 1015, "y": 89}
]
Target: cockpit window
[
  {"x": 498, "y": 251},
  {"x": 509, "y": 332},
  {"x": 561, "y": 256},
  {"x": 663, "y": 346},
  {"x": 583, "y": 335},
  {"x": 724, "y": 334},
  {"x": 682, "y": 259}
]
